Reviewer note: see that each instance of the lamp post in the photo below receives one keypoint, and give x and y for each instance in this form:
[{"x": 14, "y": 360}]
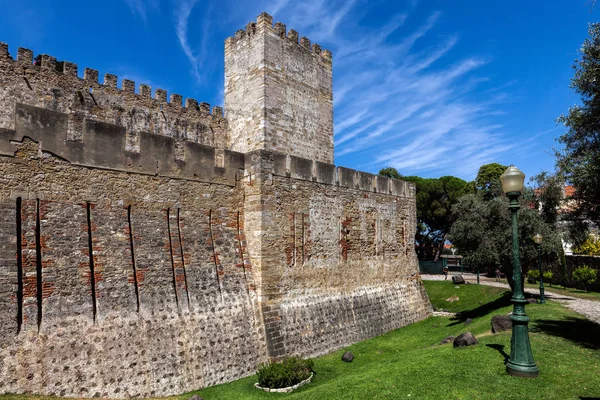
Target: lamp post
[
  {"x": 537, "y": 238},
  {"x": 520, "y": 362}
]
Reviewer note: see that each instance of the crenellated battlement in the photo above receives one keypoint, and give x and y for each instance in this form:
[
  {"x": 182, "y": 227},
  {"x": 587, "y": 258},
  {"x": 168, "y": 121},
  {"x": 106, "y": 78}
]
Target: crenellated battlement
[
  {"x": 43, "y": 81},
  {"x": 278, "y": 91},
  {"x": 49, "y": 64},
  {"x": 264, "y": 23}
]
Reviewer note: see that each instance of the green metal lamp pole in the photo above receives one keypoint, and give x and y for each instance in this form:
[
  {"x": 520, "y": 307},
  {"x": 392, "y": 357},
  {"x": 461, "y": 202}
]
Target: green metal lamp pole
[
  {"x": 538, "y": 243},
  {"x": 520, "y": 362}
]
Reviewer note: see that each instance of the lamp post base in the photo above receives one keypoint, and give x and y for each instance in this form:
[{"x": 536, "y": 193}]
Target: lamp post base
[
  {"x": 520, "y": 362},
  {"x": 523, "y": 371}
]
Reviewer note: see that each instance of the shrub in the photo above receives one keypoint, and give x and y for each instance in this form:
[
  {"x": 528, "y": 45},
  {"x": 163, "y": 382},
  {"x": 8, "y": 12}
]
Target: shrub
[
  {"x": 585, "y": 275},
  {"x": 590, "y": 247},
  {"x": 548, "y": 275},
  {"x": 283, "y": 374},
  {"x": 533, "y": 275}
]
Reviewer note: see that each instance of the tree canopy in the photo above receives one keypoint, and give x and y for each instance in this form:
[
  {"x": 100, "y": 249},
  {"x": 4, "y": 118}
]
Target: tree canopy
[
  {"x": 580, "y": 158},
  {"x": 482, "y": 232},
  {"x": 487, "y": 181},
  {"x": 435, "y": 198}
]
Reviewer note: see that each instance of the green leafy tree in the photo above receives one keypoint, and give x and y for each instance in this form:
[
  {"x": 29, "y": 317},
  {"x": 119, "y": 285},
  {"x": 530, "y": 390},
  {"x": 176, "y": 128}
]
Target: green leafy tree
[
  {"x": 487, "y": 181},
  {"x": 435, "y": 198},
  {"x": 591, "y": 247},
  {"x": 482, "y": 230},
  {"x": 548, "y": 195},
  {"x": 580, "y": 158},
  {"x": 548, "y": 275},
  {"x": 390, "y": 172},
  {"x": 585, "y": 275}
]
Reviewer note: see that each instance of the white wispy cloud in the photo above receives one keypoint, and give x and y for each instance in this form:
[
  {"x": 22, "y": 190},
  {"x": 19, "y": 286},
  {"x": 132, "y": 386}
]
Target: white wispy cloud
[
  {"x": 402, "y": 98},
  {"x": 140, "y": 8},
  {"x": 183, "y": 9}
]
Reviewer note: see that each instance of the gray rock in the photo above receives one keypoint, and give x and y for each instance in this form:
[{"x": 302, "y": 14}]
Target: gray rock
[
  {"x": 195, "y": 397},
  {"x": 447, "y": 340},
  {"x": 465, "y": 339},
  {"x": 501, "y": 323},
  {"x": 468, "y": 321},
  {"x": 458, "y": 279},
  {"x": 348, "y": 356}
]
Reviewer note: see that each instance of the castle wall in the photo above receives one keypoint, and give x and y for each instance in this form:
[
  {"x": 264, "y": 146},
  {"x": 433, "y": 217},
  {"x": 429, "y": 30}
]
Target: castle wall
[
  {"x": 337, "y": 263},
  {"x": 149, "y": 249},
  {"x": 117, "y": 283},
  {"x": 56, "y": 86},
  {"x": 278, "y": 92}
]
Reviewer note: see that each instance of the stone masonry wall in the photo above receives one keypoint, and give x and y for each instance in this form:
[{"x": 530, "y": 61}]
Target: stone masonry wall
[
  {"x": 120, "y": 284},
  {"x": 278, "y": 92},
  {"x": 149, "y": 249},
  {"x": 55, "y": 85},
  {"x": 337, "y": 262}
]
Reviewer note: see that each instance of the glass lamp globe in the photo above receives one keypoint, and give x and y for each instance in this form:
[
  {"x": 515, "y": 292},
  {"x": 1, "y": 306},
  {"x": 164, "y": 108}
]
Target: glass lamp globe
[
  {"x": 513, "y": 180},
  {"x": 537, "y": 238}
]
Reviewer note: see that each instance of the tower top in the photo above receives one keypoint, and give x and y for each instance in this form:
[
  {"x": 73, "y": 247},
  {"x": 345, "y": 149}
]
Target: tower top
[{"x": 278, "y": 91}]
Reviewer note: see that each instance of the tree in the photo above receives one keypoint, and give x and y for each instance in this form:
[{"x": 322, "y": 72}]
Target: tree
[
  {"x": 591, "y": 247},
  {"x": 548, "y": 195},
  {"x": 580, "y": 158},
  {"x": 482, "y": 231},
  {"x": 585, "y": 275},
  {"x": 435, "y": 198},
  {"x": 487, "y": 181},
  {"x": 390, "y": 172}
]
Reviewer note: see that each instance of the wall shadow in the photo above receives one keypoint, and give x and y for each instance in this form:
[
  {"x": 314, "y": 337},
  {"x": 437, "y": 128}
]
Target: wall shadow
[
  {"x": 482, "y": 310},
  {"x": 577, "y": 330}
]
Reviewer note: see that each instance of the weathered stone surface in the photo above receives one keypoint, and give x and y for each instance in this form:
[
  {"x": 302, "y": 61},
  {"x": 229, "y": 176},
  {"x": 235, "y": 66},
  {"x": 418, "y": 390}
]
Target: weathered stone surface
[
  {"x": 278, "y": 94},
  {"x": 140, "y": 256},
  {"x": 458, "y": 279},
  {"x": 348, "y": 356},
  {"x": 501, "y": 323},
  {"x": 465, "y": 339}
]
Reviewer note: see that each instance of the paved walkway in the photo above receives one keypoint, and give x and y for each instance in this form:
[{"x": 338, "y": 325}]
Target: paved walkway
[{"x": 588, "y": 308}]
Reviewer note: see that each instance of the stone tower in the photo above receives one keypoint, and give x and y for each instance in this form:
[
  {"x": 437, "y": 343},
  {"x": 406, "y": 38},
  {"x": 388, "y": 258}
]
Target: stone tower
[{"x": 278, "y": 92}]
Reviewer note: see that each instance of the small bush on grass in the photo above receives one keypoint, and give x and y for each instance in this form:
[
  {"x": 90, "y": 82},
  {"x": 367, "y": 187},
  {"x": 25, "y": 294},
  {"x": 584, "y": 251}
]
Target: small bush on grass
[
  {"x": 533, "y": 275},
  {"x": 585, "y": 275},
  {"x": 283, "y": 374},
  {"x": 548, "y": 275}
]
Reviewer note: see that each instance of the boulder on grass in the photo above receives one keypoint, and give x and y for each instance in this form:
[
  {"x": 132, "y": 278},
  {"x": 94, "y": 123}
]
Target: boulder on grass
[
  {"x": 501, "y": 323},
  {"x": 348, "y": 356},
  {"x": 465, "y": 339},
  {"x": 458, "y": 279},
  {"x": 195, "y": 397},
  {"x": 468, "y": 321}
]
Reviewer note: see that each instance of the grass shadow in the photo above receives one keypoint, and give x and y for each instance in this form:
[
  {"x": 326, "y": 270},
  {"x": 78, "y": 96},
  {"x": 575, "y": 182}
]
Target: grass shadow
[
  {"x": 482, "y": 310},
  {"x": 577, "y": 330},
  {"x": 500, "y": 349}
]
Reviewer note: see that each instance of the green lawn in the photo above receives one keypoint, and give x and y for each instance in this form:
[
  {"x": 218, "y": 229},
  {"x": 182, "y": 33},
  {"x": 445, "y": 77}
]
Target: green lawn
[
  {"x": 581, "y": 294},
  {"x": 409, "y": 363}
]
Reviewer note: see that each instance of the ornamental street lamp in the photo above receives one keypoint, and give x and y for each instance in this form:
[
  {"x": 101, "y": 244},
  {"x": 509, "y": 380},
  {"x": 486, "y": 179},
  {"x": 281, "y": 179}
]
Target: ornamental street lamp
[
  {"x": 520, "y": 362},
  {"x": 537, "y": 238}
]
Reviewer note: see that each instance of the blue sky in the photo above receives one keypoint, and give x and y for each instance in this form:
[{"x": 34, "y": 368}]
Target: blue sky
[{"x": 430, "y": 87}]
